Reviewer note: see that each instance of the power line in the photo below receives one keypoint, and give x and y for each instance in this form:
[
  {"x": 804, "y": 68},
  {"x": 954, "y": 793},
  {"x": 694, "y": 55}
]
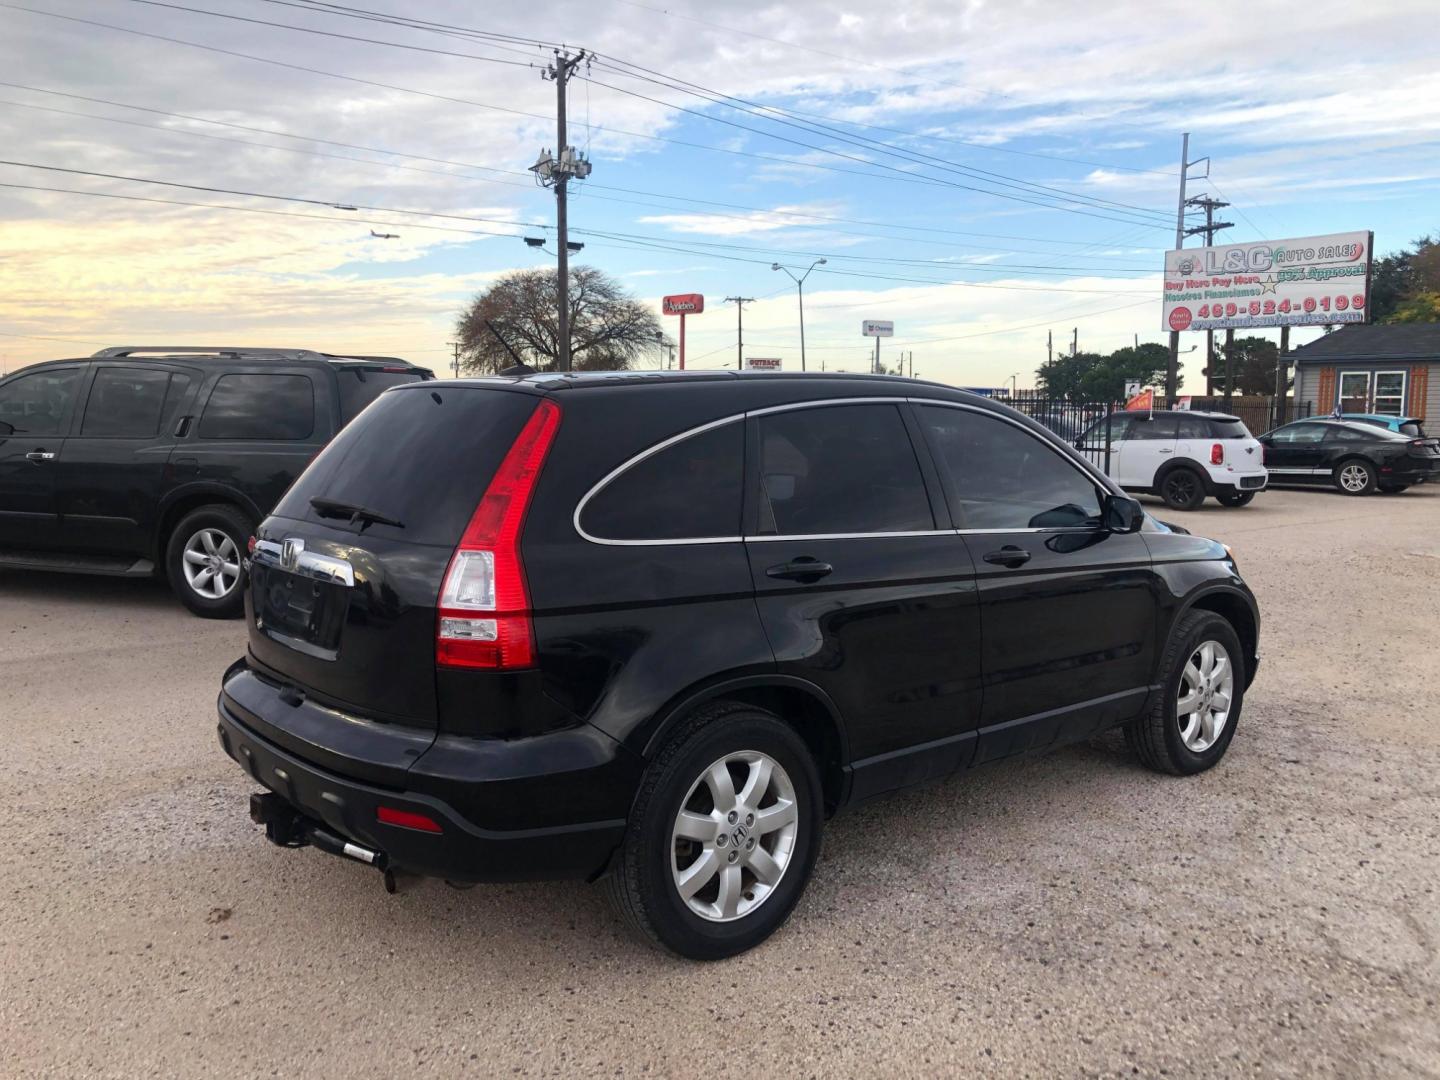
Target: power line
[
  {"x": 590, "y": 186},
  {"x": 782, "y": 116}
]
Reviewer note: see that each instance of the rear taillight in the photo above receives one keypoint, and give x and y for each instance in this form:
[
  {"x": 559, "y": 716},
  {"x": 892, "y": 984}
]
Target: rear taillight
[
  {"x": 1217, "y": 454},
  {"x": 483, "y": 619},
  {"x": 250, "y": 545}
]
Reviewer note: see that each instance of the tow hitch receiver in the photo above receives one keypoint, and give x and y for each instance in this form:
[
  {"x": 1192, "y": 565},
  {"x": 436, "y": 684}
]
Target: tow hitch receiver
[{"x": 288, "y": 828}]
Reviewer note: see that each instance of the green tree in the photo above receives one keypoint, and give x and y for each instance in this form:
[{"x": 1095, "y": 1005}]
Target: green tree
[
  {"x": 1401, "y": 278},
  {"x": 1097, "y": 377},
  {"x": 1252, "y": 366},
  {"x": 609, "y": 329}
]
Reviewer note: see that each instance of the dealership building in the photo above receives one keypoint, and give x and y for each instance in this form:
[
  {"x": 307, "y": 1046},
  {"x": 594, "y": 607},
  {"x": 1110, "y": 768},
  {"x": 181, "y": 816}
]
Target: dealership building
[{"x": 1394, "y": 370}]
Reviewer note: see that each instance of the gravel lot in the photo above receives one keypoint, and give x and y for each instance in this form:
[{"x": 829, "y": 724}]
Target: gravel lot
[{"x": 1064, "y": 915}]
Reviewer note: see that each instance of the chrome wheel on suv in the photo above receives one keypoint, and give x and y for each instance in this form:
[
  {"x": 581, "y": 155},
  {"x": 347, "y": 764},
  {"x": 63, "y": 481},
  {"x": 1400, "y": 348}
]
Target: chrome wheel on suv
[
  {"x": 734, "y": 836},
  {"x": 723, "y": 834},
  {"x": 211, "y": 564},
  {"x": 203, "y": 560},
  {"x": 1203, "y": 707}
]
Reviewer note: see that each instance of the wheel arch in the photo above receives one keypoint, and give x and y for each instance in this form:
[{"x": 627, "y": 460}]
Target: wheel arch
[
  {"x": 183, "y": 500},
  {"x": 800, "y": 704},
  {"x": 1236, "y": 608},
  {"x": 1183, "y": 463}
]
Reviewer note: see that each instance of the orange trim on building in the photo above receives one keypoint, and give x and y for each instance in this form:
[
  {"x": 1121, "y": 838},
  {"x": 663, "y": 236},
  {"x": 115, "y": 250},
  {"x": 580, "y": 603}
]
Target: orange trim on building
[
  {"x": 1325, "y": 397},
  {"x": 1419, "y": 385}
]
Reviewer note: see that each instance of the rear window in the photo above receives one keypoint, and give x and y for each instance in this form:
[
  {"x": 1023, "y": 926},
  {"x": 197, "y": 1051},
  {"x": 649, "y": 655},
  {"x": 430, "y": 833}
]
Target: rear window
[
  {"x": 360, "y": 386},
  {"x": 277, "y": 407},
  {"x": 422, "y": 457}
]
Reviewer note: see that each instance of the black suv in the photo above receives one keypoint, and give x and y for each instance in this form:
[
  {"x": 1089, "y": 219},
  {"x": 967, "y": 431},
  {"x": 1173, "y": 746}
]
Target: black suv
[
  {"x": 657, "y": 628},
  {"x": 142, "y": 457}
]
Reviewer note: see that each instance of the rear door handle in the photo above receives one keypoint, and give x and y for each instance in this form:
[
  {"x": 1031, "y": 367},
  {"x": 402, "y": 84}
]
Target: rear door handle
[
  {"x": 804, "y": 569},
  {"x": 40, "y": 455},
  {"x": 1008, "y": 556}
]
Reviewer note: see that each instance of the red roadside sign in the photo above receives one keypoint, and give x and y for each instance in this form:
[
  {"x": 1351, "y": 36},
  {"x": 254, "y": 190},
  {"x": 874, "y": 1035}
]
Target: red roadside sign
[{"x": 691, "y": 303}]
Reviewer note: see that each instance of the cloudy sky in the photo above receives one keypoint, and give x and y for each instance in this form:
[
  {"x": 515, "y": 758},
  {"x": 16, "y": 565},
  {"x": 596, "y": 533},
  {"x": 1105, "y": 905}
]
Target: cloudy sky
[{"x": 980, "y": 173}]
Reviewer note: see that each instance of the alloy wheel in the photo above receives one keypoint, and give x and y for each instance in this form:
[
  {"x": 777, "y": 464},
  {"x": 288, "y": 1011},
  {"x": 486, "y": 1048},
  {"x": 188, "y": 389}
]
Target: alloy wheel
[
  {"x": 1180, "y": 486},
  {"x": 734, "y": 836},
  {"x": 211, "y": 563},
  {"x": 1354, "y": 478},
  {"x": 1207, "y": 686}
]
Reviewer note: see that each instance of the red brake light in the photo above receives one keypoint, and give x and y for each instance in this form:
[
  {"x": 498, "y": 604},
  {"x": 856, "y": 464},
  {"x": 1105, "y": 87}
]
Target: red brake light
[
  {"x": 250, "y": 545},
  {"x": 1217, "y": 454},
  {"x": 483, "y": 617},
  {"x": 389, "y": 815}
]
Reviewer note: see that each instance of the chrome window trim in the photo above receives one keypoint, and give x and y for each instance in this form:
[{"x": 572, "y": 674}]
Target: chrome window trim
[{"x": 629, "y": 463}]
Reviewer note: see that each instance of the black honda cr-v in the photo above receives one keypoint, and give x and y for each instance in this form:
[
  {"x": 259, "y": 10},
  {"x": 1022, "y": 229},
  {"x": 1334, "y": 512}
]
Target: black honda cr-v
[{"x": 657, "y": 628}]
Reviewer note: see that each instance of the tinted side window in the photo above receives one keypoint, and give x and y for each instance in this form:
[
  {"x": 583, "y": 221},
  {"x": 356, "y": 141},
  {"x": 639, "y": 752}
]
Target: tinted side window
[
  {"x": 1002, "y": 477},
  {"x": 259, "y": 407},
  {"x": 1160, "y": 427},
  {"x": 1120, "y": 425},
  {"x": 1351, "y": 435},
  {"x": 840, "y": 469},
  {"x": 125, "y": 403},
  {"x": 37, "y": 404},
  {"x": 689, "y": 490},
  {"x": 1298, "y": 434}
]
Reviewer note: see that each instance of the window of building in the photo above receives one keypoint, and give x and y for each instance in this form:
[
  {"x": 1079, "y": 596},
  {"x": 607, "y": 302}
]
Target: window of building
[
  {"x": 840, "y": 469},
  {"x": 259, "y": 406},
  {"x": 692, "y": 489},
  {"x": 1002, "y": 477},
  {"x": 1390, "y": 393}
]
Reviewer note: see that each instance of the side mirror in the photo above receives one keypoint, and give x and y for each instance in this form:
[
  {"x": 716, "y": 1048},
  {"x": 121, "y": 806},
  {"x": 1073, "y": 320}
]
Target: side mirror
[
  {"x": 1122, "y": 515},
  {"x": 6, "y": 429}
]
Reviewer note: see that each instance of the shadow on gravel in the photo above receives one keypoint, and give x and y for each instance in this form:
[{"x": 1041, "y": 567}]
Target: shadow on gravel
[{"x": 86, "y": 590}]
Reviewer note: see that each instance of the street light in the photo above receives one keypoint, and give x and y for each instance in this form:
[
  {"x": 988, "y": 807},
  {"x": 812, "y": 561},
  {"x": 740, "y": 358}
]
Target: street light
[{"x": 800, "y": 293}]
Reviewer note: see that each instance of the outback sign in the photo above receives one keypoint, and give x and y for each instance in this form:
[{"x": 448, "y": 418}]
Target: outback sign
[
  {"x": 691, "y": 303},
  {"x": 1313, "y": 281}
]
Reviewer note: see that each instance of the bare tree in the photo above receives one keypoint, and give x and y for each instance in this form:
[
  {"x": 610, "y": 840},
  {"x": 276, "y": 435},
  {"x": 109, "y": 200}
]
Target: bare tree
[{"x": 609, "y": 329}]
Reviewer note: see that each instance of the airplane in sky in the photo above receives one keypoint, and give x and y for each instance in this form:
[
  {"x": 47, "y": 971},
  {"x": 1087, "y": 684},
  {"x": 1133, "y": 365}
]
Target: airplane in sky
[{"x": 384, "y": 235}]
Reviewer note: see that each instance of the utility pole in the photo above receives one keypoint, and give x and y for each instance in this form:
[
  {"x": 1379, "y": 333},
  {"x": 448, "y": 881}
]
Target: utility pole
[
  {"x": 456, "y": 346},
  {"x": 1280, "y": 371},
  {"x": 1229, "y": 378},
  {"x": 556, "y": 172},
  {"x": 1074, "y": 342},
  {"x": 739, "y": 302},
  {"x": 1210, "y": 228},
  {"x": 1049, "y": 346},
  {"x": 1172, "y": 368}
]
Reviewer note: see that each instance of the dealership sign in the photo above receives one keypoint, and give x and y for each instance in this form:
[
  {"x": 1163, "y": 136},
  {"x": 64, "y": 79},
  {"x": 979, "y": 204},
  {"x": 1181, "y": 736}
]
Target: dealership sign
[
  {"x": 877, "y": 328},
  {"x": 691, "y": 303},
  {"x": 1314, "y": 281}
]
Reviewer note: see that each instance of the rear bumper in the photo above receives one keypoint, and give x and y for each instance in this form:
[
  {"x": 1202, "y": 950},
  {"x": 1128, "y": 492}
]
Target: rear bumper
[
  {"x": 329, "y": 806},
  {"x": 1237, "y": 481}
]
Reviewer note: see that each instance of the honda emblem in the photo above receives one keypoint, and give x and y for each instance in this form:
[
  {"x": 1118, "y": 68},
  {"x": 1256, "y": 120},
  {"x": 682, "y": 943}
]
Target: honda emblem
[{"x": 290, "y": 552}]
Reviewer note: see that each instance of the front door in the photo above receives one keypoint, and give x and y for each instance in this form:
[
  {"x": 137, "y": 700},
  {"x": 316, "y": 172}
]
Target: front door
[
  {"x": 861, "y": 590},
  {"x": 109, "y": 481},
  {"x": 1067, "y": 609},
  {"x": 35, "y": 412},
  {"x": 1293, "y": 453},
  {"x": 1355, "y": 391}
]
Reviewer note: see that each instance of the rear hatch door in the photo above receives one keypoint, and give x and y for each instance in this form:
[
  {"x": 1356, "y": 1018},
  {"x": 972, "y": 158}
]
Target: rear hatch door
[{"x": 346, "y": 573}]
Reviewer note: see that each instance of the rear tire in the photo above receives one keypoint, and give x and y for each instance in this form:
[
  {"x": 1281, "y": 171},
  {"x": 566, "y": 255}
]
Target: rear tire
[
  {"x": 1354, "y": 477},
  {"x": 1236, "y": 498},
  {"x": 202, "y": 561},
  {"x": 1183, "y": 743},
  {"x": 1182, "y": 489},
  {"x": 730, "y": 906}
]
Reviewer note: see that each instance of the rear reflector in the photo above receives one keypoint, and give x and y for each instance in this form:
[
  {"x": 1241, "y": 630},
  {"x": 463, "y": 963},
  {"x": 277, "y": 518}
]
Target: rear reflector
[
  {"x": 483, "y": 618},
  {"x": 406, "y": 819}
]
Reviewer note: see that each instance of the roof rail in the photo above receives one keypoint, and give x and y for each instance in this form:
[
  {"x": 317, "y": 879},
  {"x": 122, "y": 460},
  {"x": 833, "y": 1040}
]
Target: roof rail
[{"x": 210, "y": 350}]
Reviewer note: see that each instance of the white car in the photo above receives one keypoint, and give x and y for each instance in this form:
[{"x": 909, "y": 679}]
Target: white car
[{"x": 1181, "y": 456}]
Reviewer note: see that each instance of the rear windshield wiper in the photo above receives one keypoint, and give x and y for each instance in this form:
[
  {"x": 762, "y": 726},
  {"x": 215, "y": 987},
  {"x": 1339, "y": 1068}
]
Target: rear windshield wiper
[{"x": 334, "y": 508}]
